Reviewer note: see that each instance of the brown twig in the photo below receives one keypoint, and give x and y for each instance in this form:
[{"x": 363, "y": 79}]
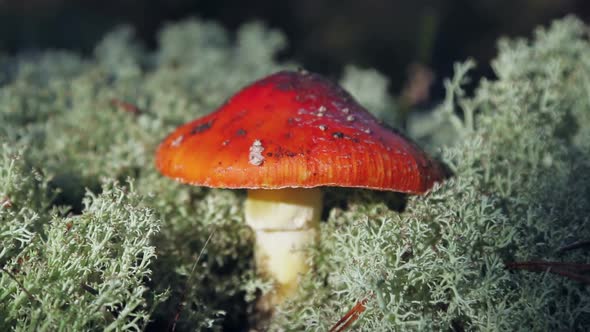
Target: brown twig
[
  {"x": 88, "y": 289},
  {"x": 575, "y": 245},
  {"x": 541, "y": 264},
  {"x": 126, "y": 106},
  {"x": 351, "y": 316},
  {"x": 69, "y": 226},
  {"x": 572, "y": 271},
  {"x": 417, "y": 88},
  {"x": 24, "y": 289},
  {"x": 5, "y": 202}
]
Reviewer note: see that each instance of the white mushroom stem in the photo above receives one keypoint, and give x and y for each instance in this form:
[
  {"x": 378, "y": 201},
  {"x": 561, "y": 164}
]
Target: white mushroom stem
[{"x": 286, "y": 222}]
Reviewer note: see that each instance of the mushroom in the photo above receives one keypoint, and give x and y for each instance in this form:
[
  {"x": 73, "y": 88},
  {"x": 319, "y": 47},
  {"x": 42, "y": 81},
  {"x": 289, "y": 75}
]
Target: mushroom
[{"x": 282, "y": 138}]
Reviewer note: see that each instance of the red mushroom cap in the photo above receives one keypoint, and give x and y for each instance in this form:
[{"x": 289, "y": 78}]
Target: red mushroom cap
[{"x": 295, "y": 129}]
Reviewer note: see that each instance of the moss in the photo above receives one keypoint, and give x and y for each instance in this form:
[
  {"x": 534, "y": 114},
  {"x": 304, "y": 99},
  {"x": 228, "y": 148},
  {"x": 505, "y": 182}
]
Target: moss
[
  {"x": 78, "y": 272},
  {"x": 86, "y": 122},
  {"x": 92, "y": 237},
  {"x": 518, "y": 193}
]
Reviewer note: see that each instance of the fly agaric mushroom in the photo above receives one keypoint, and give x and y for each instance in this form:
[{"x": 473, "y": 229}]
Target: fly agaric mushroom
[{"x": 281, "y": 138}]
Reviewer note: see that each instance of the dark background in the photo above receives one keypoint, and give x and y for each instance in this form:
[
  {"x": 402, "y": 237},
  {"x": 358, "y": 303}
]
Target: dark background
[{"x": 388, "y": 35}]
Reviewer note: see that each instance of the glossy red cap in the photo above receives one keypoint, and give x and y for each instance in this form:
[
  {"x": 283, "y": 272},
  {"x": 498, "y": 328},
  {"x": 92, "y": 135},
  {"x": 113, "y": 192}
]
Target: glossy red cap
[{"x": 295, "y": 129}]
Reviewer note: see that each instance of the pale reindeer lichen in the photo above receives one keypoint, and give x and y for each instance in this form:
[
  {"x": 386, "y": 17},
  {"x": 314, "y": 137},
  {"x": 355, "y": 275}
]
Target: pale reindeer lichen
[{"x": 83, "y": 248}]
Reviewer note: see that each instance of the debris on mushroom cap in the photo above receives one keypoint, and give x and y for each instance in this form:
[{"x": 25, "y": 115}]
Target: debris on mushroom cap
[
  {"x": 255, "y": 157},
  {"x": 176, "y": 142},
  {"x": 314, "y": 134}
]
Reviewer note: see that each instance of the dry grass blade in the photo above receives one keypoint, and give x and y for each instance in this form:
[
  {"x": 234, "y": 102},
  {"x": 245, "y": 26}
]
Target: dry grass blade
[{"x": 172, "y": 325}]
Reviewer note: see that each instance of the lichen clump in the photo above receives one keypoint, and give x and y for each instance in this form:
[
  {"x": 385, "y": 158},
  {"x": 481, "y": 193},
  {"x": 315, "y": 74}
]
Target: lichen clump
[{"x": 92, "y": 237}]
